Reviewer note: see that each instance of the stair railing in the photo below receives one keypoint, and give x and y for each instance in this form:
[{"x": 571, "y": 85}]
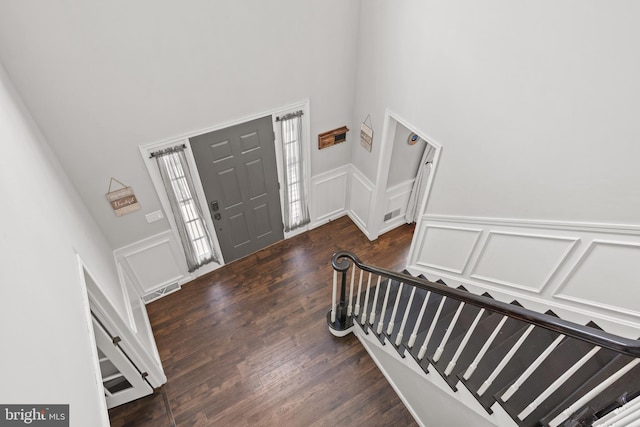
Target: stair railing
[{"x": 341, "y": 316}]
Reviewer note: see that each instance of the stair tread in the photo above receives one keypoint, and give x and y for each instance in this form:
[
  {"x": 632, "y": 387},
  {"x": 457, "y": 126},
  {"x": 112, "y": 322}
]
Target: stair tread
[
  {"x": 367, "y": 303},
  {"x": 448, "y": 309},
  {"x": 394, "y": 286},
  {"x": 429, "y": 314},
  {"x": 575, "y": 382},
  {"x": 414, "y": 310},
  {"x": 629, "y": 383},
  {"x": 483, "y": 330},
  {"x": 508, "y": 334},
  {"x": 538, "y": 339},
  {"x": 536, "y": 343},
  {"x": 404, "y": 299},
  {"x": 464, "y": 321},
  {"x": 556, "y": 364}
]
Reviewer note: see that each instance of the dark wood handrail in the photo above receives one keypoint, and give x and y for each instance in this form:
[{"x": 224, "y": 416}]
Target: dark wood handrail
[{"x": 341, "y": 261}]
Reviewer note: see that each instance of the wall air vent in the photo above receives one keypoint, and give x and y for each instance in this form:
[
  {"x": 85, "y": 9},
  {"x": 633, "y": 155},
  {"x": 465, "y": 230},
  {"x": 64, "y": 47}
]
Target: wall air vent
[
  {"x": 159, "y": 293},
  {"x": 393, "y": 214}
]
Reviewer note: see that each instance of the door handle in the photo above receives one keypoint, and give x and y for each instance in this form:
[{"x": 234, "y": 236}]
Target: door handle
[
  {"x": 214, "y": 206},
  {"x": 217, "y": 216}
]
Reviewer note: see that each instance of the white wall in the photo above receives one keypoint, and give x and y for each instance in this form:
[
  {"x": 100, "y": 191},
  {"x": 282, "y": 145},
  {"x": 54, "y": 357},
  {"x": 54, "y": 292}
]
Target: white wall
[
  {"x": 583, "y": 272},
  {"x": 102, "y": 78},
  {"x": 405, "y": 158},
  {"x": 534, "y": 103},
  {"x": 46, "y": 343},
  {"x": 535, "y": 106}
]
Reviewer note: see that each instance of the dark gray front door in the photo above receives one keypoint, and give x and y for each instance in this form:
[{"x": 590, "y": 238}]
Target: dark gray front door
[{"x": 237, "y": 167}]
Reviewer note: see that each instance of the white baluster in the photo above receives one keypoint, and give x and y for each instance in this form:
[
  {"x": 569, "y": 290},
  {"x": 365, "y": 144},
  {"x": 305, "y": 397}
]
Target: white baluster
[
  {"x": 613, "y": 418},
  {"x": 384, "y": 308},
  {"x": 356, "y": 309},
  {"x": 372, "y": 316},
  {"x": 463, "y": 344},
  {"x": 353, "y": 274},
  {"x": 407, "y": 309},
  {"x": 334, "y": 292},
  {"x": 471, "y": 369},
  {"x": 366, "y": 301},
  {"x": 556, "y": 384},
  {"x": 564, "y": 415},
  {"x": 447, "y": 334},
  {"x": 516, "y": 385},
  {"x": 504, "y": 361},
  {"x": 423, "y": 349},
  {"x": 394, "y": 311},
  {"x": 414, "y": 334}
]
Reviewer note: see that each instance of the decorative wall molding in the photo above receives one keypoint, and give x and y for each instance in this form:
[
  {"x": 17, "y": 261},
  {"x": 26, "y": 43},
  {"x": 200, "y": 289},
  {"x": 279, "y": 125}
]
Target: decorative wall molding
[
  {"x": 396, "y": 199},
  {"x": 544, "y": 224},
  {"x": 329, "y": 195},
  {"x": 360, "y": 198},
  {"x": 534, "y": 259},
  {"x": 605, "y": 275},
  {"x": 583, "y": 270},
  {"x": 153, "y": 263},
  {"x": 447, "y": 248}
]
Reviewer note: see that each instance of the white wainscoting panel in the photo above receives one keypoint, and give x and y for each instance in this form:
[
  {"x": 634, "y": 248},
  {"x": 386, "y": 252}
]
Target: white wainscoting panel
[
  {"x": 329, "y": 195},
  {"x": 605, "y": 275},
  {"x": 396, "y": 199},
  {"x": 153, "y": 263},
  {"x": 360, "y": 193},
  {"x": 581, "y": 271},
  {"x": 533, "y": 259},
  {"x": 447, "y": 248}
]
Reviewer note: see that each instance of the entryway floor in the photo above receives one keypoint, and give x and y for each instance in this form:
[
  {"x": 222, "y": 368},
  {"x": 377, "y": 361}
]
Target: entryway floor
[{"x": 248, "y": 344}]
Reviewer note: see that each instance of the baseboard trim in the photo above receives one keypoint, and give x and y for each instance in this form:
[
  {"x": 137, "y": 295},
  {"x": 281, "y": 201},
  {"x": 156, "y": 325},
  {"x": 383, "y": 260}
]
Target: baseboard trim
[{"x": 474, "y": 415}]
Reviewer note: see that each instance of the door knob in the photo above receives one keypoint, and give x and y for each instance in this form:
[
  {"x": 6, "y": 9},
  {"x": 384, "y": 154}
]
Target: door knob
[{"x": 217, "y": 216}]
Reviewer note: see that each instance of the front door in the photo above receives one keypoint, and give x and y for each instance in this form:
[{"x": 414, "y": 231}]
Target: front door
[{"x": 237, "y": 167}]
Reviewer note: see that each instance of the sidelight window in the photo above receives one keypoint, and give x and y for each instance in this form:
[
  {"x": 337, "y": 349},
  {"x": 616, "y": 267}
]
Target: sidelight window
[
  {"x": 296, "y": 211},
  {"x": 196, "y": 239}
]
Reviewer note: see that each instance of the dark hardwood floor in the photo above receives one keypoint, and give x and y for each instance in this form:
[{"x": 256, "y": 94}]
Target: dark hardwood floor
[{"x": 248, "y": 344}]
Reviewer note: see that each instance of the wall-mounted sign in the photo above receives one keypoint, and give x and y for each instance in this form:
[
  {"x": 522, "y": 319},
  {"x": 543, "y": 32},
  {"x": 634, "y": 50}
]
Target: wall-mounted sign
[
  {"x": 366, "y": 133},
  {"x": 366, "y": 136},
  {"x": 122, "y": 201}
]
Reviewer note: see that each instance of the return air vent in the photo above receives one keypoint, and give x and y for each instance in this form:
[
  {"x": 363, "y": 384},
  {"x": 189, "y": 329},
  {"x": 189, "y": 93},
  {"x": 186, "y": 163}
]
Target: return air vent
[
  {"x": 159, "y": 293},
  {"x": 393, "y": 214}
]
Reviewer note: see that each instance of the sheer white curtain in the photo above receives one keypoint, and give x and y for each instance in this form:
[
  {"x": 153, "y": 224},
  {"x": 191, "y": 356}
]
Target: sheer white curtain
[
  {"x": 420, "y": 184},
  {"x": 195, "y": 237},
  {"x": 296, "y": 210}
]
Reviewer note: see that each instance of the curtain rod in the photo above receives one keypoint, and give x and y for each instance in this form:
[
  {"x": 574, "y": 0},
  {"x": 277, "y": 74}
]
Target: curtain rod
[
  {"x": 180, "y": 147},
  {"x": 289, "y": 116}
]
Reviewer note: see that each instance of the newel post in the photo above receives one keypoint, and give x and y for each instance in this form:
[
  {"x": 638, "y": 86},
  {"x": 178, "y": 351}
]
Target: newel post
[{"x": 339, "y": 318}]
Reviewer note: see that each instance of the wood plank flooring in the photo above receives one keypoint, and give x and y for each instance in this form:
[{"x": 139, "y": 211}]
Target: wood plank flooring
[{"x": 248, "y": 344}]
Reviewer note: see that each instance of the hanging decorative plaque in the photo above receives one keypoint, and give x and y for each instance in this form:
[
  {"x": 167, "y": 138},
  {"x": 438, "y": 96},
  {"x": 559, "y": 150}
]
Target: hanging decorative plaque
[
  {"x": 122, "y": 201},
  {"x": 366, "y": 133}
]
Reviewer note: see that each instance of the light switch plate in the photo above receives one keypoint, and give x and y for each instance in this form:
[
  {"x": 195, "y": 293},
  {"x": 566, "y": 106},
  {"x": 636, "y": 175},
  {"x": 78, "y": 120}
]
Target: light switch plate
[{"x": 154, "y": 216}]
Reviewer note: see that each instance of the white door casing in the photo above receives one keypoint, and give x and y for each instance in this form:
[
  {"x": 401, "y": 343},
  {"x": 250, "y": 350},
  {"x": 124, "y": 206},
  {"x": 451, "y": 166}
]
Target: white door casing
[
  {"x": 122, "y": 381},
  {"x": 147, "y": 149}
]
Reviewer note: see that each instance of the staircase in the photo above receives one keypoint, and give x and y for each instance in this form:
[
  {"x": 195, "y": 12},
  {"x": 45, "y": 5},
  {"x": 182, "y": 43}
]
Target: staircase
[{"x": 535, "y": 367}]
